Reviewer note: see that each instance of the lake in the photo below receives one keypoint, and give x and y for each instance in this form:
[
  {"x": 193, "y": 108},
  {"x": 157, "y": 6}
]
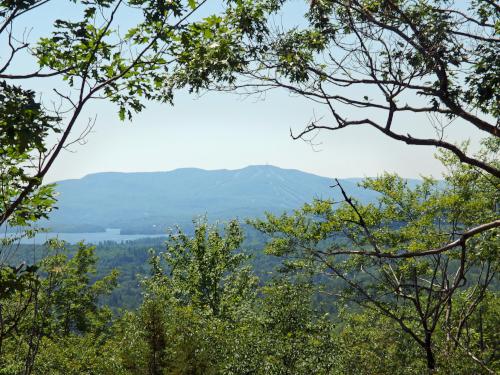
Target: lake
[{"x": 93, "y": 238}]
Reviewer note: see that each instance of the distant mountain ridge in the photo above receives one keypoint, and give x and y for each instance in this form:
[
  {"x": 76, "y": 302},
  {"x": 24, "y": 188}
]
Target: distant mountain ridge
[{"x": 150, "y": 202}]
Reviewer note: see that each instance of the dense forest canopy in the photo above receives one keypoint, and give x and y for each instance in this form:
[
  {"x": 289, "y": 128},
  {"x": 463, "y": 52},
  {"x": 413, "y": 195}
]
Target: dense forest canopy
[{"x": 406, "y": 284}]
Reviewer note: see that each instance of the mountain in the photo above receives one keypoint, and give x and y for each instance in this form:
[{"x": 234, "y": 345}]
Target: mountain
[{"x": 150, "y": 202}]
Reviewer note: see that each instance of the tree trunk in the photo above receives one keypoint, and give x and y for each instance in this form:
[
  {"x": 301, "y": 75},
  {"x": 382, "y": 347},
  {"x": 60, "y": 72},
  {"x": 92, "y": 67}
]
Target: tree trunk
[{"x": 431, "y": 361}]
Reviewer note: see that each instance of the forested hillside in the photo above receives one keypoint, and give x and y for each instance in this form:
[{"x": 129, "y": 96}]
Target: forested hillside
[{"x": 149, "y": 203}]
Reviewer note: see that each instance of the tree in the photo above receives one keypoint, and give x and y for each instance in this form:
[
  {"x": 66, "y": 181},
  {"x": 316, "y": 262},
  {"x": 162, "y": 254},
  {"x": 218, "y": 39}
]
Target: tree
[
  {"x": 24, "y": 126},
  {"x": 199, "y": 289},
  {"x": 371, "y": 343},
  {"x": 55, "y": 308},
  {"x": 422, "y": 257},
  {"x": 296, "y": 337},
  {"x": 204, "y": 314},
  {"x": 207, "y": 271}
]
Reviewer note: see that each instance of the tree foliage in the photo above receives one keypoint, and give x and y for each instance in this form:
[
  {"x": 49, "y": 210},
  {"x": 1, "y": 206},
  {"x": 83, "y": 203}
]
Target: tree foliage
[
  {"x": 411, "y": 256},
  {"x": 52, "y": 310}
]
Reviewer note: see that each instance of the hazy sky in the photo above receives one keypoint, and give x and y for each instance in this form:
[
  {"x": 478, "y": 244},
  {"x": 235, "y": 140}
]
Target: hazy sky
[
  {"x": 220, "y": 130},
  {"x": 224, "y": 131}
]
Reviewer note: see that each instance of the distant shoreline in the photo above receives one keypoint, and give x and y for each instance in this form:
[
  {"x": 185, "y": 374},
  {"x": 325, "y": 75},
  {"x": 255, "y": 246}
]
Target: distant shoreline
[{"x": 92, "y": 238}]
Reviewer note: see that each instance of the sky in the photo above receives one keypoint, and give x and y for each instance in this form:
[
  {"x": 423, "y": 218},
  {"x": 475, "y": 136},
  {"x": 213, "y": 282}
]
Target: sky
[
  {"x": 229, "y": 131},
  {"x": 224, "y": 131}
]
